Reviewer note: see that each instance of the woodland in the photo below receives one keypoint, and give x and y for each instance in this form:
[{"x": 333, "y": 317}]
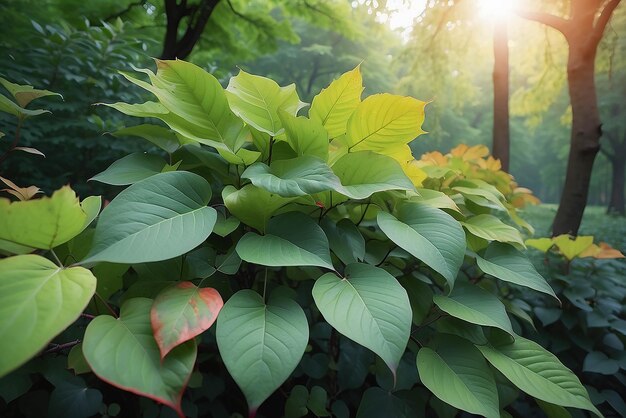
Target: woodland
[{"x": 312, "y": 208}]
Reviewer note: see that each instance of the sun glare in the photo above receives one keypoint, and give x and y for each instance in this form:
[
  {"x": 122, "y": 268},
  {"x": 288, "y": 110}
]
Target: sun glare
[{"x": 496, "y": 9}]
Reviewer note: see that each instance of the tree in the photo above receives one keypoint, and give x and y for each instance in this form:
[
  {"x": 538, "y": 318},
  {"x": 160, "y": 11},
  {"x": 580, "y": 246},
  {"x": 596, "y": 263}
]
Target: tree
[
  {"x": 583, "y": 31},
  {"x": 501, "y": 134}
]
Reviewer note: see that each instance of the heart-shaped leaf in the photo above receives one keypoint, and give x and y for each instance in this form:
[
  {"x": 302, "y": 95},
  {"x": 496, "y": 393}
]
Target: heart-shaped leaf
[
  {"x": 123, "y": 352},
  {"x": 158, "y": 218},
  {"x": 182, "y": 312},
  {"x": 293, "y": 239},
  {"x": 493, "y": 229},
  {"x": 38, "y": 300},
  {"x": 305, "y": 136},
  {"x": 428, "y": 234},
  {"x": 508, "y": 264},
  {"x": 473, "y": 304},
  {"x": 368, "y": 306},
  {"x": 261, "y": 344},
  {"x": 457, "y": 374},
  {"x": 42, "y": 223},
  {"x": 252, "y": 205},
  {"x": 539, "y": 373}
]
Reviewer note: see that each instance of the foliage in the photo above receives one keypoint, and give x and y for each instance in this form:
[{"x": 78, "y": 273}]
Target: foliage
[
  {"x": 321, "y": 235},
  {"x": 586, "y": 330}
]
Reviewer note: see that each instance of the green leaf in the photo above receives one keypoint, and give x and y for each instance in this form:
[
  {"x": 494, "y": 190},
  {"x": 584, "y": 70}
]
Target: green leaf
[
  {"x": 181, "y": 312},
  {"x": 24, "y": 94},
  {"x": 384, "y": 120},
  {"x": 493, "y": 229},
  {"x": 294, "y": 177},
  {"x": 225, "y": 226},
  {"x": 160, "y": 136},
  {"x": 71, "y": 398},
  {"x": 252, "y": 205},
  {"x": 365, "y": 173},
  {"x": 539, "y": 373},
  {"x": 42, "y": 223},
  {"x": 11, "y": 108},
  {"x": 345, "y": 240},
  {"x": 508, "y": 264},
  {"x": 76, "y": 360},
  {"x": 38, "y": 300},
  {"x": 428, "y": 234},
  {"x": 333, "y": 106},
  {"x": 368, "y": 306},
  {"x": 377, "y": 403},
  {"x": 155, "y": 219},
  {"x": 91, "y": 206},
  {"x": 598, "y": 362},
  {"x": 123, "y": 353},
  {"x": 305, "y": 136},
  {"x": 542, "y": 244},
  {"x": 261, "y": 344},
  {"x": 293, "y": 239},
  {"x": 473, "y": 304},
  {"x": 257, "y": 100},
  {"x": 195, "y": 103},
  {"x": 457, "y": 373},
  {"x": 131, "y": 169}
]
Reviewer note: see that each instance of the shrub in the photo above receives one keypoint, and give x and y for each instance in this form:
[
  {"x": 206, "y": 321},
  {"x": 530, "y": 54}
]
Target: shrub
[{"x": 322, "y": 236}]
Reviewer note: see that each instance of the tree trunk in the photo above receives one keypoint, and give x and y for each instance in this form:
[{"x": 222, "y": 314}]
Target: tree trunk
[
  {"x": 616, "y": 204},
  {"x": 500, "y": 145},
  {"x": 197, "y": 16},
  {"x": 585, "y": 135}
]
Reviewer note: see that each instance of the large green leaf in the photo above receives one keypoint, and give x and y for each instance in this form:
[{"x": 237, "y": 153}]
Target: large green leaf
[
  {"x": 294, "y": 177},
  {"x": 155, "y": 219},
  {"x": 428, "y": 234},
  {"x": 493, "y": 229},
  {"x": 368, "y": 306},
  {"x": 457, "y": 374},
  {"x": 42, "y": 223},
  {"x": 160, "y": 136},
  {"x": 38, "y": 300},
  {"x": 539, "y": 373},
  {"x": 293, "y": 239},
  {"x": 12, "y": 108},
  {"x": 123, "y": 352},
  {"x": 72, "y": 398},
  {"x": 473, "y": 304},
  {"x": 508, "y": 264},
  {"x": 384, "y": 120},
  {"x": 181, "y": 312},
  {"x": 365, "y": 173},
  {"x": 257, "y": 100},
  {"x": 333, "y": 106},
  {"x": 261, "y": 344},
  {"x": 305, "y": 136},
  {"x": 131, "y": 169},
  {"x": 252, "y": 205}
]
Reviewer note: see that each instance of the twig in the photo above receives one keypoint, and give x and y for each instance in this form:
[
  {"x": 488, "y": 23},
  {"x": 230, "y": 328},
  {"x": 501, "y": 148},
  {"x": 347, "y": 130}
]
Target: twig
[{"x": 60, "y": 347}]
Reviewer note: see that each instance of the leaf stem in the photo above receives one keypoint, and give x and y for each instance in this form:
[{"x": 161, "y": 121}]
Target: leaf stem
[
  {"x": 364, "y": 212},
  {"x": 56, "y": 258},
  {"x": 60, "y": 347},
  {"x": 265, "y": 284},
  {"x": 269, "y": 158},
  {"x": 107, "y": 305}
]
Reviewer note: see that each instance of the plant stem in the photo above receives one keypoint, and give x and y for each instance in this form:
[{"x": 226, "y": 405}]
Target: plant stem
[
  {"x": 265, "y": 284},
  {"x": 56, "y": 258},
  {"x": 107, "y": 305},
  {"x": 269, "y": 158},
  {"x": 364, "y": 212},
  {"x": 60, "y": 347}
]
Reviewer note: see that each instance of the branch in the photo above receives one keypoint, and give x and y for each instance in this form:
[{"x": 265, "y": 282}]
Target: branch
[
  {"x": 558, "y": 23},
  {"x": 126, "y": 10},
  {"x": 320, "y": 11},
  {"x": 603, "y": 20},
  {"x": 244, "y": 17}
]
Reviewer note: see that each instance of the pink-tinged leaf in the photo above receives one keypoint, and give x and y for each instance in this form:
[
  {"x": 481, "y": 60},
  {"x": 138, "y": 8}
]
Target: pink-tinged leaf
[
  {"x": 181, "y": 312},
  {"x": 30, "y": 151},
  {"x": 22, "y": 193},
  {"x": 123, "y": 352}
]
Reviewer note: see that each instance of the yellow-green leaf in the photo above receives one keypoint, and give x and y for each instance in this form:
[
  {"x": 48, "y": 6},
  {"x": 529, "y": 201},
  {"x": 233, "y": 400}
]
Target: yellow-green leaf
[
  {"x": 334, "y": 104},
  {"x": 571, "y": 247},
  {"x": 384, "y": 120},
  {"x": 42, "y": 223}
]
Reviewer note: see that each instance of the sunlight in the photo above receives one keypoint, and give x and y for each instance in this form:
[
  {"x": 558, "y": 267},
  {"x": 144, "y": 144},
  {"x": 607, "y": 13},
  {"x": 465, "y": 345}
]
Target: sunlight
[{"x": 496, "y": 9}]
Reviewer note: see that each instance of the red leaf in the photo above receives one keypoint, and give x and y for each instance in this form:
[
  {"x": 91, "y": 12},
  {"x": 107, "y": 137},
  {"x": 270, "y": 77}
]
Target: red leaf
[{"x": 181, "y": 312}]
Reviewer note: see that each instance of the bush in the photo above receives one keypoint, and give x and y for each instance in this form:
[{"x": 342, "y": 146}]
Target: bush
[{"x": 321, "y": 235}]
